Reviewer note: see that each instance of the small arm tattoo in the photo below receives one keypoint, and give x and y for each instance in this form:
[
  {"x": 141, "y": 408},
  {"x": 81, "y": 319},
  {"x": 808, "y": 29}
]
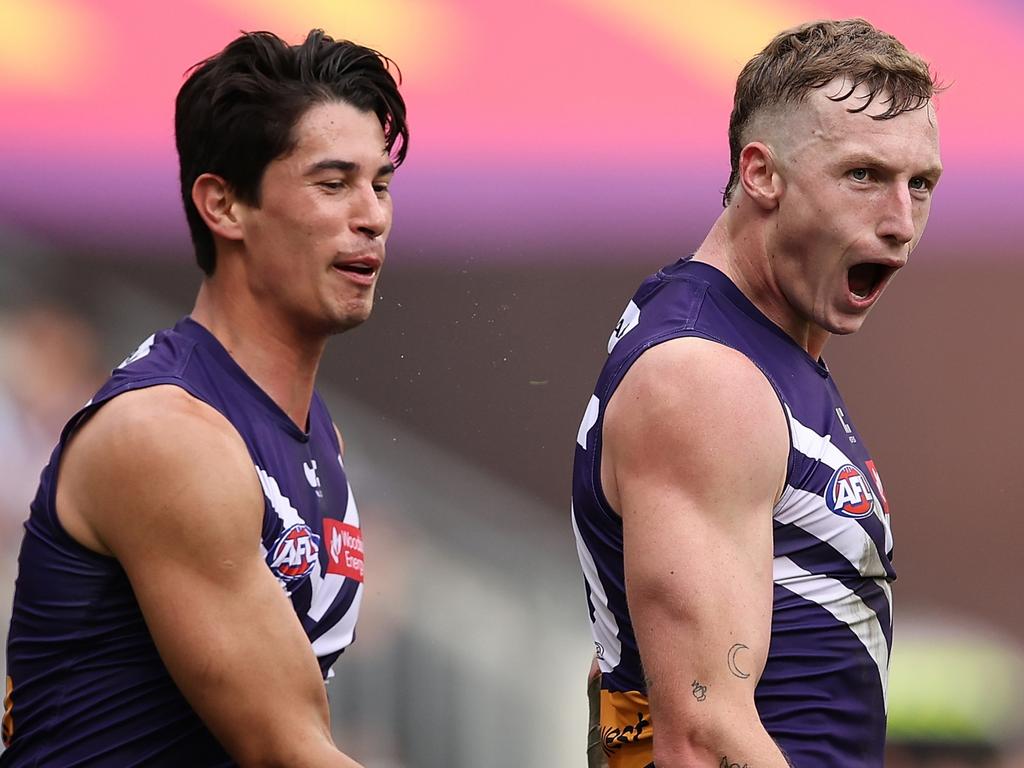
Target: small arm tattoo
[
  {"x": 726, "y": 764},
  {"x": 733, "y": 667},
  {"x": 700, "y": 692}
]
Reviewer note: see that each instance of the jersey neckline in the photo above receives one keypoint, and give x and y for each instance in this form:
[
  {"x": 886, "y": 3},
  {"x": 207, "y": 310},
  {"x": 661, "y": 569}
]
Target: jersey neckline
[
  {"x": 201, "y": 335},
  {"x": 721, "y": 281}
]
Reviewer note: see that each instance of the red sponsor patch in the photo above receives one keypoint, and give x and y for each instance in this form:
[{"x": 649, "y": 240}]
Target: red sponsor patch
[
  {"x": 344, "y": 549},
  {"x": 878, "y": 484}
]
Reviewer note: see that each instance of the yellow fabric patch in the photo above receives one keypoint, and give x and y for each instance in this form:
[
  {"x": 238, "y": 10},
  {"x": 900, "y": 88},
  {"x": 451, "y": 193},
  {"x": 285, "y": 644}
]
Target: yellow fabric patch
[{"x": 624, "y": 736}]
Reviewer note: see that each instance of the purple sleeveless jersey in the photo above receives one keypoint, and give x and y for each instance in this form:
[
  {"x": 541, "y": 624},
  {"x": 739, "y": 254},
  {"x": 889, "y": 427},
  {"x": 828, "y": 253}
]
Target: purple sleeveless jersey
[
  {"x": 822, "y": 696},
  {"x": 87, "y": 687}
]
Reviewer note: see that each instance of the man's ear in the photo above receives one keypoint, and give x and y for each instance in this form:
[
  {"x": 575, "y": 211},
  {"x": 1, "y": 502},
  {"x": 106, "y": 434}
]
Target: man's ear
[
  {"x": 216, "y": 203},
  {"x": 759, "y": 175}
]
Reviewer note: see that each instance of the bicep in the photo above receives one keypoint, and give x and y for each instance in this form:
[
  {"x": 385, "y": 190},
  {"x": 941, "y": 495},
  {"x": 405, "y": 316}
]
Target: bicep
[
  {"x": 697, "y": 586},
  {"x": 697, "y": 443},
  {"x": 176, "y": 500}
]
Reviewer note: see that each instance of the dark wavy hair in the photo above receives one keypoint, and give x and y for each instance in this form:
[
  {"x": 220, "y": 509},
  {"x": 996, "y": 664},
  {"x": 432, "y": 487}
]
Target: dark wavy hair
[
  {"x": 810, "y": 56},
  {"x": 237, "y": 110}
]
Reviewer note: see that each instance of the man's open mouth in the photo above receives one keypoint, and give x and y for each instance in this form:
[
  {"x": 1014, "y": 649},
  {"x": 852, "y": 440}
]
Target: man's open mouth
[
  {"x": 865, "y": 279},
  {"x": 359, "y": 269}
]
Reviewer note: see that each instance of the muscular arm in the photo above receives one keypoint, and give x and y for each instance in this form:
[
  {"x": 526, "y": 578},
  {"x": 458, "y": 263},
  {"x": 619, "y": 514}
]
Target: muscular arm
[
  {"x": 695, "y": 456},
  {"x": 163, "y": 483}
]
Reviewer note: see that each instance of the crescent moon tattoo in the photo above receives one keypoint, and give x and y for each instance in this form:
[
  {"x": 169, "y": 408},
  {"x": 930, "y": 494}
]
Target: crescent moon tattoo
[{"x": 732, "y": 661}]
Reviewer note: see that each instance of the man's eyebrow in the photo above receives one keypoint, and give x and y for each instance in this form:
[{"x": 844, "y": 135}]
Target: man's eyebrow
[
  {"x": 865, "y": 159},
  {"x": 873, "y": 161},
  {"x": 346, "y": 166}
]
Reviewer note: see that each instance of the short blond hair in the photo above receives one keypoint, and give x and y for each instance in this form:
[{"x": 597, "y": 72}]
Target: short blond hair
[{"x": 810, "y": 56}]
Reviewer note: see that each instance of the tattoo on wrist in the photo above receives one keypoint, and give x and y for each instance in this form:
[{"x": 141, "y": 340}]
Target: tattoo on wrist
[
  {"x": 700, "y": 692},
  {"x": 726, "y": 764},
  {"x": 733, "y": 652}
]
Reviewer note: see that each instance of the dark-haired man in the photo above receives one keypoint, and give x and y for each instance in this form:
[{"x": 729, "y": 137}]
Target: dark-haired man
[
  {"x": 193, "y": 563},
  {"x": 732, "y": 527}
]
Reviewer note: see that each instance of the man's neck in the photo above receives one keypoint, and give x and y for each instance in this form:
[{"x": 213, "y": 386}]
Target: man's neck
[
  {"x": 278, "y": 357},
  {"x": 737, "y": 247}
]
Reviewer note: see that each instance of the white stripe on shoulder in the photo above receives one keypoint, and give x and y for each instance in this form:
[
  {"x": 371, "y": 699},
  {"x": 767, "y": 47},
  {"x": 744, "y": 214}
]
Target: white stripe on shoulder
[
  {"x": 629, "y": 320},
  {"x": 605, "y": 629},
  {"x": 589, "y": 420},
  {"x": 142, "y": 350},
  {"x": 844, "y": 605}
]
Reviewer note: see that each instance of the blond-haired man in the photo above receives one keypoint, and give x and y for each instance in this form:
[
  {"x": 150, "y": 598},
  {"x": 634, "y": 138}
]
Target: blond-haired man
[{"x": 732, "y": 527}]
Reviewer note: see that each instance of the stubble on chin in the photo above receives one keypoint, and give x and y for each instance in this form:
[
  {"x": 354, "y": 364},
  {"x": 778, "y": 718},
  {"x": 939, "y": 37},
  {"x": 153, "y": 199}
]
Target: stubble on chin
[{"x": 348, "y": 317}]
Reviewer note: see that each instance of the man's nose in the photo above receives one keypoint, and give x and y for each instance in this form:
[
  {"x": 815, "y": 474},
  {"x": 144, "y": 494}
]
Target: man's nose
[
  {"x": 370, "y": 214},
  {"x": 897, "y": 220}
]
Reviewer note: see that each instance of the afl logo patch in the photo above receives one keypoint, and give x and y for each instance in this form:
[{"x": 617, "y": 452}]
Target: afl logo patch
[
  {"x": 295, "y": 553},
  {"x": 848, "y": 493}
]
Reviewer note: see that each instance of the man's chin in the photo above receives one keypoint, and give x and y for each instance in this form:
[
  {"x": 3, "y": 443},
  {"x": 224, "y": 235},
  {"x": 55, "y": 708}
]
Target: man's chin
[
  {"x": 844, "y": 326},
  {"x": 349, "y": 319}
]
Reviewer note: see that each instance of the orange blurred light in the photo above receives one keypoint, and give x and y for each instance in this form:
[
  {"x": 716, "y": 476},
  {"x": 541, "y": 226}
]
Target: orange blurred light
[
  {"x": 712, "y": 40},
  {"x": 422, "y": 37},
  {"x": 48, "y": 45}
]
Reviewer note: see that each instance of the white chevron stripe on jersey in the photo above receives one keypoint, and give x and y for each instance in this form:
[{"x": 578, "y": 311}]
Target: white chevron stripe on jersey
[
  {"x": 844, "y": 605},
  {"x": 351, "y": 513},
  {"x": 144, "y": 349},
  {"x": 280, "y": 503},
  {"x": 815, "y": 446},
  {"x": 605, "y": 628},
  {"x": 887, "y": 589},
  {"x": 589, "y": 420},
  {"x": 630, "y": 319},
  {"x": 808, "y": 512},
  {"x": 820, "y": 447},
  {"x": 327, "y": 589},
  {"x": 341, "y": 634}
]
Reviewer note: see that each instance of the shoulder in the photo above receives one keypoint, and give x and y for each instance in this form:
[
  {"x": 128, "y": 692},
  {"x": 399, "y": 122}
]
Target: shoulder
[
  {"x": 155, "y": 457},
  {"x": 702, "y": 379},
  {"x": 698, "y": 412},
  {"x": 162, "y": 422}
]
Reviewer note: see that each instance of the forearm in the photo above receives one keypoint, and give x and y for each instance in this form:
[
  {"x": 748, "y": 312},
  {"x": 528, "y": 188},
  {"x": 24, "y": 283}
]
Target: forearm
[
  {"x": 299, "y": 754},
  {"x": 283, "y": 725},
  {"x": 726, "y": 743},
  {"x": 279, "y": 734}
]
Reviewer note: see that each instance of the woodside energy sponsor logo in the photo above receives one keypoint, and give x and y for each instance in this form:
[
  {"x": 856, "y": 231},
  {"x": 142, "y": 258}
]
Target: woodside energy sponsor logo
[{"x": 345, "y": 553}]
